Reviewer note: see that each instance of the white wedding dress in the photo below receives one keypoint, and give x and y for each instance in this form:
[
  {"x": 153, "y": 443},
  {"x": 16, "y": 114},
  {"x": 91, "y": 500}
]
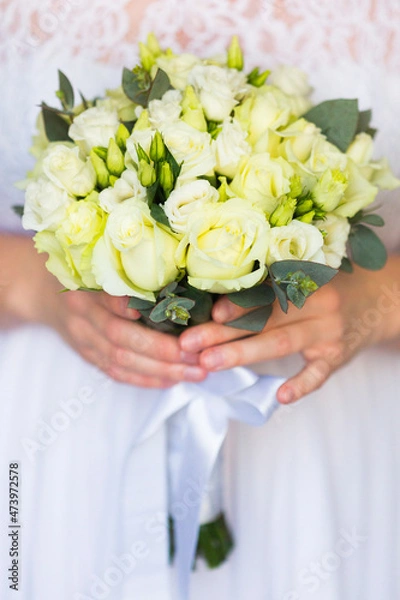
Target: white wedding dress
[{"x": 312, "y": 496}]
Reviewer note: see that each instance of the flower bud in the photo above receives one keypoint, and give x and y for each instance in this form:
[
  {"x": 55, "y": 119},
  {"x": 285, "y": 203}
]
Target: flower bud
[
  {"x": 146, "y": 174},
  {"x": 283, "y": 213},
  {"x": 143, "y": 121},
  {"x": 307, "y": 218},
  {"x": 146, "y": 57},
  {"x": 113, "y": 179},
  {"x": 115, "y": 159},
  {"x": 100, "y": 151},
  {"x": 102, "y": 173},
  {"x": 158, "y": 151},
  {"x": 192, "y": 111},
  {"x": 304, "y": 206},
  {"x": 235, "y": 55},
  {"x": 256, "y": 78},
  {"x": 121, "y": 136},
  {"x": 166, "y": 178},
  {"x": 153, "y": 45},
  {"x": 295, "y": 186}
]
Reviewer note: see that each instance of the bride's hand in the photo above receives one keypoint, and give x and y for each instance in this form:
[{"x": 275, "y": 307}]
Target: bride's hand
[
  {"x": 101, "y": 328},
  {"x": 352, "y": 312}
]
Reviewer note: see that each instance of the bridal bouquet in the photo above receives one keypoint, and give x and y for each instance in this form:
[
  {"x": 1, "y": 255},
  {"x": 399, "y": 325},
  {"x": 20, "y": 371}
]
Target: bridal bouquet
[{"x": 196, "y": 178}]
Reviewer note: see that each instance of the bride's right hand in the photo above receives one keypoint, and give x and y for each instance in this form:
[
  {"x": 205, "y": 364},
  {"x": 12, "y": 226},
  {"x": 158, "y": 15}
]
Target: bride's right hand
[{"x": 101, "y": 328}]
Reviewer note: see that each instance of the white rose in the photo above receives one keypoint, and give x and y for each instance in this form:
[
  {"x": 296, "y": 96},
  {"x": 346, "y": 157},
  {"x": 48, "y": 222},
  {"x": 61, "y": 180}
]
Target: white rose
[
  {"x": 299, "y": 139},
  {"x": 218, "y": 89},
  {"x": 167, "y": 110},
  {"x": 45, "y": 205},
  {"x": 291, "y": 80},
  {"x": 359, "y": 192},
  {"x": 94, "y": 127},
  {"x": 380, "y": 174},
  {"x": 298, "y": 240},
  {"x": 135, "y": 256},
  {"x": 190, "y": 146},
  {"x": 224, "y": 247},
  {"x": 336, "y": 232},
  {"x": 230, "y": 146},
  {"x": 325, "y": 155},
  {"x": 177, "y": 67},
  {"x": 261, "y": 180},
  {"x": 127, "y": 186},
  {"x": 183, "y": 201},
  {"x": 329, "y": 189},
  {"x": 266, "y": 108},
  {"x": 64, "y": 168}
]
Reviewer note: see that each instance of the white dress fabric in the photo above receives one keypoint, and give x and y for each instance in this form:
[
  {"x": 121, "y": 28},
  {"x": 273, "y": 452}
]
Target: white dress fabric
[{"x": 312, "y": 496}]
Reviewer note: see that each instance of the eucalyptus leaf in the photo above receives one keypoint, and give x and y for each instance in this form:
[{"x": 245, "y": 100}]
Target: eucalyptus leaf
[
  {"x": 295, "y": 295},
  {"x": 18, "y": 209},
  {"x": 84, "y": 101},
  {"x": 158, "y": 214},
  {"x": 281, "y": 295},
  {"x": 261, "y": 295},
  {"x": 319, "y": 273},
  {"x": 367, "y": 250},
  {"x": 252, "y": 321},
  {"x": 158, "y": 315},
  {"x": 186, "y": 303},
  {"x": 346, "y": 265},
  {"x": 201, "y": 312},
  {"x": 374, "y": 220},
  {"x": 133, "y": 89},
  {"x": 159, "y": 86},
  {"x": 338, "y": 120},
  {"x": 168, "y": 289},
  {"x": 139, "y": 303},
  {"x": 55, "y": 126},
  {"x": 66, "y": 89}
]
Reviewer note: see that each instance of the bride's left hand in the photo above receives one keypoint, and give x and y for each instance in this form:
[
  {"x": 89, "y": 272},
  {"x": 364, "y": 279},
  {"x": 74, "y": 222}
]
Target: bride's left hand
[{"x": 324, "y": 331}]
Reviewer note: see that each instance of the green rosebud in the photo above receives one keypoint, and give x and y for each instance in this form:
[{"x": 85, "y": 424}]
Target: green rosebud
[
  {"x": 100, "y": 151},
  {"x": 146, "y": 174},
  {"x": 93, "y": 197},
  {"x": 223, "y": 189},
  {"x": 143, "y": 121},
  {"x": 283, "y": 213},
  {"x": 166, "y": 178},
  {"x": 142, "y": 155},
  {"x": 102, "y": 173},
  {"x": 115, "y": 159},
  {"x": 235, "y": 55},
  {"x": 295, "y": 186},
  {"x": 308, "y": 217},
  {"x": 192, "y": 110},
  {"x": 256, "y": 78},
  {"x": 113, "y": 179},
  {"x": 121, "y": 136},
  {"x": 158, "y": 151},
  {"x": 304, "y": 206},
  {"x": 146, "y": 57},
  {"x": 153, "y": 45}
]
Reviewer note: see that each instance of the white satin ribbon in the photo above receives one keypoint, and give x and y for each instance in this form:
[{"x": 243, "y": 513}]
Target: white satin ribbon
[{"x": 199, "y": 415}]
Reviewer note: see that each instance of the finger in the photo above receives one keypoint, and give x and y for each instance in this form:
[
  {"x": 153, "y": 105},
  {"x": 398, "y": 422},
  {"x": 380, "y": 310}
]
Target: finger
[
  {"x": 272, "y": 344},
  {"x": 312, "y": 377},
  {"x": 119, "y": 306},
  {"x": 209, "y": 334}
]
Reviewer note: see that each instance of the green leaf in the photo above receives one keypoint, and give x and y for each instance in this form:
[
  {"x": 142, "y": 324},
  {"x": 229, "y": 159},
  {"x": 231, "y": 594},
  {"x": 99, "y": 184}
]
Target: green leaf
[
  {"x": 261, "y": 295},
  {"x": 158, "y": 315},
  {"x": 281, "y": 295},
  {"x": 158, "y": 214},
  {"x": 319, "y": 273},
  {"x": 367, "y": 250},
  {"x": 201, "y": 312},
  {"x": 338, "y": 120},
  {"x": 364, "y": 119},
  {"x": 152, "y": 193},
  {"x": 18, "y": 209},
  {"x": 159, "y": 86},
  {"x": 55, "y": 126},
  {"x": 84, "y": 101},
  {"x": 252, "y": 321},
  {"x": 139, "y": 303},
  {"x": 374, "y": 220},
  {"x": 175, "y": 166},
  {"x": 66, "y": 90},
  {"x": 295, "y": 295},
  {"x": 168, "y": 289},
  {"x": 346, "y": 265}
]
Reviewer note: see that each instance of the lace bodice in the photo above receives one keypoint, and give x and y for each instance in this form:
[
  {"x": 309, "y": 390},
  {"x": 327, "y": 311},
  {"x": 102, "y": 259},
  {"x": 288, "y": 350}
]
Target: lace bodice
[{"x": 350, "y": 48}]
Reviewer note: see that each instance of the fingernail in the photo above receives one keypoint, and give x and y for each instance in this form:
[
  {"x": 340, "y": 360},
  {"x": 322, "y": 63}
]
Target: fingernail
[
  {"x": 192, "y": 343},
  {"x": 189, "y": 358},
  {"x": 286, "y": 396},
  {"x": 213, "y": 360},
  {"x": 194, "y": 374}
]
